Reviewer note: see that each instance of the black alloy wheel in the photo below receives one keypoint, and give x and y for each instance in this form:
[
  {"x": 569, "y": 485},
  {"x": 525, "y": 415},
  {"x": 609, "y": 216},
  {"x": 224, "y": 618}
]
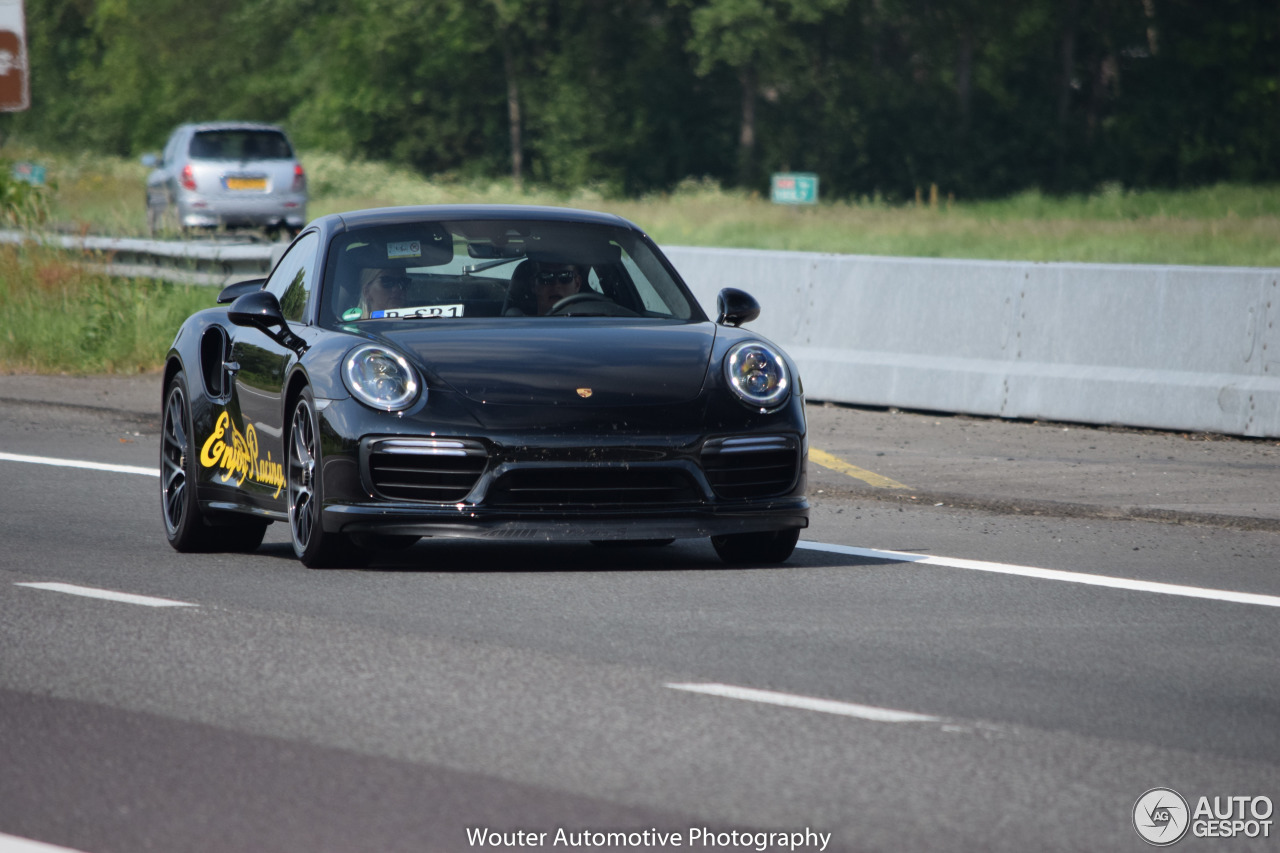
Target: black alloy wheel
[{"x": 186, "y": 526}]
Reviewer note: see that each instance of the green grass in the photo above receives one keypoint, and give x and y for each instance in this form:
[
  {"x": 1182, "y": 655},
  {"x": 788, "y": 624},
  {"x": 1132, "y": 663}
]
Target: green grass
[
  {"x": 60, "y": 317},
  {"x": 55, "y": 316},
  {"x": 1224, "y": 225},
  {"x": 1229, "y": 226}
]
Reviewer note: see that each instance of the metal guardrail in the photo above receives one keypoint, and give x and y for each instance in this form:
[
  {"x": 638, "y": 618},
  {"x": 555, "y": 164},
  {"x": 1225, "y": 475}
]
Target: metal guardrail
[{"x": 211, "y": 262}]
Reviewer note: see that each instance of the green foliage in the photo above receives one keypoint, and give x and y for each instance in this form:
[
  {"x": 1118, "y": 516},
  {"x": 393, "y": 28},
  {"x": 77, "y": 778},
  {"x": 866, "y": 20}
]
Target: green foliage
[
  {"x": 983, "y": 97},
  {"x": 22, "y": 204}
]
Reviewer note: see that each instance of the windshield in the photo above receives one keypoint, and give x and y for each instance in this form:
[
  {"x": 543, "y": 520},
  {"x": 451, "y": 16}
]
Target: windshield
[{"x": 410, "y": 272}]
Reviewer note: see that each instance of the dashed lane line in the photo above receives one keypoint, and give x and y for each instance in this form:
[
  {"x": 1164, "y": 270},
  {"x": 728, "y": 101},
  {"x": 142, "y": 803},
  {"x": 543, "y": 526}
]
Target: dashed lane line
[
  {"x": 807, "y": 703},
  {"x": 14, "y": 844},
  {"x": 108, "y": 595},
  {"x": 79, "y": 463}
]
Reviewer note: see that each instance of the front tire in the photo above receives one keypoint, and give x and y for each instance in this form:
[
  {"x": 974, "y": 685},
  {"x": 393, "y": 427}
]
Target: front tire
[
  {"x": 771, "y": 546},
  {"x": 315, "y": 547}
]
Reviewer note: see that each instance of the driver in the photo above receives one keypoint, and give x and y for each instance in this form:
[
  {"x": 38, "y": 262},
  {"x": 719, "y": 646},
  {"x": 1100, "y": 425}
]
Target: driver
[{"x": 554, "y": 282}]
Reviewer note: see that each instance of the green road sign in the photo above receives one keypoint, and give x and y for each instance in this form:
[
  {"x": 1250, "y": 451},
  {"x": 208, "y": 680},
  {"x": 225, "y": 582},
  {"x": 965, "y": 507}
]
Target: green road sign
[
  {"x": 29, "y": 172},
  {"x": 794, "y": 188}
]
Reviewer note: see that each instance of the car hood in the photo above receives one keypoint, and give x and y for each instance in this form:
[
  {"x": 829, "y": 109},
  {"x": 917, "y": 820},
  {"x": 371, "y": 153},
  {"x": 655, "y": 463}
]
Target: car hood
[{"x": 563, "y": 361}]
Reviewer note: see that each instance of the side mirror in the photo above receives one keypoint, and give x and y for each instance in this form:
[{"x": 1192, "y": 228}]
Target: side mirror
[
  {"x": 261, "y": 310},
  {"x": 736, "y": 307},
  {"x": 150, "y": 161},
  {"x": 232, "y": 292}
]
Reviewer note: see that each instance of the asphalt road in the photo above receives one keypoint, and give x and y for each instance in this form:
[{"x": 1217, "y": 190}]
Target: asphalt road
[{"x": 907, "y": 681}]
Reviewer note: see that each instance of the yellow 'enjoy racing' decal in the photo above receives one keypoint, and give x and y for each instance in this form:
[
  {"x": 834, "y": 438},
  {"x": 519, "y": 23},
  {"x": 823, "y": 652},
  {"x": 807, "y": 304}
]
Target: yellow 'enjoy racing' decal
[{"x": 239, "y": 458}]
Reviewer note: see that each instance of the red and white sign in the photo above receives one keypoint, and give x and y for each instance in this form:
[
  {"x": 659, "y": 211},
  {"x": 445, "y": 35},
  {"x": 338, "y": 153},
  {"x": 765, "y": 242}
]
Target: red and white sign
[{"x": 15, "y": 90}]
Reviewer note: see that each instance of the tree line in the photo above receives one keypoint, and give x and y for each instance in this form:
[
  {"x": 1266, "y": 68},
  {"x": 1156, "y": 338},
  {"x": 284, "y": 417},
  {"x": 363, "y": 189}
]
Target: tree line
[{"x": 878, "y": 97}]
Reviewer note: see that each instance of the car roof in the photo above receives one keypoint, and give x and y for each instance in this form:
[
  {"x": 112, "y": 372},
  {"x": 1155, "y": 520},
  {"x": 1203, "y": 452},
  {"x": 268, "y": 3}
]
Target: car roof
[
  {"x": 197, "y": 127},
  {"x": 443, "y": 212}
]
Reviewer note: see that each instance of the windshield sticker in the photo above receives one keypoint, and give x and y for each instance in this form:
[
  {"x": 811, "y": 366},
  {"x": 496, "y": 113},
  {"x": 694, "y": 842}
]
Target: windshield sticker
[
  {"x": 352, "y": 314},
  {"x": 421, "y": 312},
  {"x": 239, "y": 459},
  {"x": 407, "y": 249}
]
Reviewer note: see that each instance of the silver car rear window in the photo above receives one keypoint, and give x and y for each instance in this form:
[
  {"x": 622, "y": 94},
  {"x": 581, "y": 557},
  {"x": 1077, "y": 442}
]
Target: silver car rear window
[{"x": 240, "y": 145}]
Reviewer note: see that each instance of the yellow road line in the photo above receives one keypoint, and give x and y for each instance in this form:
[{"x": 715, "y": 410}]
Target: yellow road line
[{"x": 835, "y": 463}]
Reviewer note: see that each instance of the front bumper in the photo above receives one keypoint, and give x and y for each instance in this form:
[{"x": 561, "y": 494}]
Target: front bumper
[
  {"x": 607, "y": 474},
  {"x": 669, "y": 487},
  {"x": 619, "y": 525}
]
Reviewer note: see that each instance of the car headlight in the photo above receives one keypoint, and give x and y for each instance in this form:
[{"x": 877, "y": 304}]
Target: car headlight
[
  {"x": 757, "y": 374},
  {"x": 380, "y": 378}
]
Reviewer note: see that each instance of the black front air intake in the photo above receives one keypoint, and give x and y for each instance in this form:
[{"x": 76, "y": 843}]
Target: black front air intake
[
  {"x": 419, "y": 469},
  {"x": 751, "y": 467},
  {"x": 593, "y": 487}
]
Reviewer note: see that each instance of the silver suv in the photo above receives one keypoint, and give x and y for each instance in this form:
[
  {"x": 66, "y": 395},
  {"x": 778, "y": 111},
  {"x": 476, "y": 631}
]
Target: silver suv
[{"x": 227, "y": 175}]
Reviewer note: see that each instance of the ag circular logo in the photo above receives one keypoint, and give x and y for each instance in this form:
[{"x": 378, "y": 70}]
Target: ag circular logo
[{"x": 1161, "y": 816}]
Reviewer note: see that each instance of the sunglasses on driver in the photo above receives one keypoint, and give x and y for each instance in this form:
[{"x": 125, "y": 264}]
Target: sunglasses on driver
[{"x": 557, "y": 277}]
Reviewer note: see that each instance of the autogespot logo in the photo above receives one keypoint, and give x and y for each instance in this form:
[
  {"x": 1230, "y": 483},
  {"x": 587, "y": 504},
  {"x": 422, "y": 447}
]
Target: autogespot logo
[{"x": 1161, "y": 817}]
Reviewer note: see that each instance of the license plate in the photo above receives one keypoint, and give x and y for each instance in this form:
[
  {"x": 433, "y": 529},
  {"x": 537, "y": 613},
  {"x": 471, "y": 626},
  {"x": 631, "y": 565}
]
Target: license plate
[{"x": 246, "y": 184}]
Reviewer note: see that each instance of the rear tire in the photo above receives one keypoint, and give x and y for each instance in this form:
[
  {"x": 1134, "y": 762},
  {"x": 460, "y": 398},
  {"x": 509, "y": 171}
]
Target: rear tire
[
  {"x": 184, "y": 523},
  {"x": 186, "y": 526},
  {"x": 771, "y": 546}
]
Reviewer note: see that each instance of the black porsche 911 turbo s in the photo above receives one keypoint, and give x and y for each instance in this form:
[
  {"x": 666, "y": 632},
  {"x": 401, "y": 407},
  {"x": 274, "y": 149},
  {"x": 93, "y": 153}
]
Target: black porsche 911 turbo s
[{"x": 507, "y": 372}]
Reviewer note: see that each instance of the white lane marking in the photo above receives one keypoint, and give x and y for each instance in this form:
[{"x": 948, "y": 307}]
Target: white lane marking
[
  {"x": 808, "y": 703},
  {"x": 13, "y": 844},
  {"x": 109, "y": 595},
  {"x": 78, "y": 463},
  {"x": 875, "y": 554},
  {"x": 1052, "y": 575}
]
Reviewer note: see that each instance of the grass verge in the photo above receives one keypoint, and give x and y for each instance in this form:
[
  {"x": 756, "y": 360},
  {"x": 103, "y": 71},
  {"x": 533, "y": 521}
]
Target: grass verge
[
  {"x": 57, "y": 317},
  {"x": 1224, "y": 225},
  {"x": 60, "y": 317}
]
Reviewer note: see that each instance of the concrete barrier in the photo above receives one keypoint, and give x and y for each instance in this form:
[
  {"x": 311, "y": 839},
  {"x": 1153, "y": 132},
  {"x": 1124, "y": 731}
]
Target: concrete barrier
[{"x": 1179, "y": 348}]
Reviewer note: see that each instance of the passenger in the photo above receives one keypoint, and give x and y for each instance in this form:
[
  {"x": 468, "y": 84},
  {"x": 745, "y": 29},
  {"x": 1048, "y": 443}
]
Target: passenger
[
  {"x": 554, "y": 282},
  {"x": 382, "y": 289}
]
